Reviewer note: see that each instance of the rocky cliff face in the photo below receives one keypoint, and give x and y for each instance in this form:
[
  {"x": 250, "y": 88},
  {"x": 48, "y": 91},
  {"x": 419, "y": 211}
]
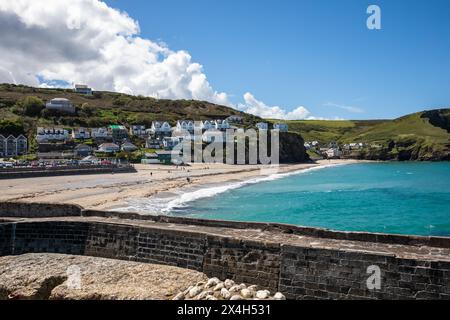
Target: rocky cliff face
[
  {"x": 405, "y": 150},
  {"x": 292, "y": 148},
  {"x": 439, "y": 118}
]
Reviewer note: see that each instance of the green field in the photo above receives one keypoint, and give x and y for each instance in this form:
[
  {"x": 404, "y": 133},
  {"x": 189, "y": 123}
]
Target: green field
[{"x": 422, "y": 135}]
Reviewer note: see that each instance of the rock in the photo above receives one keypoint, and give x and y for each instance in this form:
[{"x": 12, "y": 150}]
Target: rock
[
  {"x": 194, "y": 291},
  {"x": 212, "y": 283},
  {"x": 246, "y": 293},
  {"x": 279, "y": 296},
  {"x": 242, "y": 286},
  {"x": 219, "y": 286},
  {"x": 186, "y": 292},
  {"x": 234, "y": 288},
  {"x": 262, "y": 294},
  {"x": 236, "y": 297},
  {"x": 210, "y": 298},
  {"x": 225, "y": 293},
  {"x": 253, "y": 288},
  {"x": 179, "y": 296},
  {"x": 229, "y": 283},
  {"x": 44, "y": 276},
  {"x": 204, "y": 294}
]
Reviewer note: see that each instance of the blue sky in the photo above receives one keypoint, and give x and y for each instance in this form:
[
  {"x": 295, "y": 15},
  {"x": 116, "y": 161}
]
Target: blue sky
[{"x": 318, "y": 54}]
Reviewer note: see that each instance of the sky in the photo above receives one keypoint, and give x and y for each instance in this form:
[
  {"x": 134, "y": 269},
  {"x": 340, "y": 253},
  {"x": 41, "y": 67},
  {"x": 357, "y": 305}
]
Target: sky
[{"x": 299, "y": 59}]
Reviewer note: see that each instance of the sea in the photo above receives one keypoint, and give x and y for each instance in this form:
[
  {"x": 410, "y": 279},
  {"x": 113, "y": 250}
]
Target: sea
[{"x": 394, "y": 197}]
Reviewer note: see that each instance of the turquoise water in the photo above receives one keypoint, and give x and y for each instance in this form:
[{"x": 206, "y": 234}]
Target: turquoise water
[{"x": 402, "y": 198}]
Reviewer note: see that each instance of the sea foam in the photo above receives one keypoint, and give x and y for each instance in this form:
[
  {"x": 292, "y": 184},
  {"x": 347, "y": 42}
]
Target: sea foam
[{"x": 167, "y": 203}]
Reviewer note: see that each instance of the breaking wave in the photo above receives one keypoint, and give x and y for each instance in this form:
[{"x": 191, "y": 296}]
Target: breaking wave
[{"x": 167, "y": 203}]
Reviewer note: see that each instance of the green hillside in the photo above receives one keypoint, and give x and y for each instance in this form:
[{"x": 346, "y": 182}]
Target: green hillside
[
  {"x": 325, "y": 131},
  {"x": 101, "y": 109},
  {"x": 419, "y": 136}
]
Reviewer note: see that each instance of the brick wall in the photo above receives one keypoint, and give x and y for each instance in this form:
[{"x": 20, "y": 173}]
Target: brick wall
[
  {"x": 308, "y": 273},
  {"x": 243, "y": 261},
  {"x": 52, "y": 237}
]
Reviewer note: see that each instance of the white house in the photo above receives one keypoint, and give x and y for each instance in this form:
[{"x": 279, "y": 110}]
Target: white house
[
  {"x": 152, "y": 143},
  {"x": 185, "y": 125},
  {"x": 262, "y": 126},
  {"x": 109, "y": 148},
  {"x": 52, "y": 134},
  {"x": 356, "y": 146},
  {"x": 208, "y": 125},
  {"x": 235, "y": 119},
  {"x": 160, "y": 128},
  {"x": 11, "y": 146},
  {"x": 61, "y": 105},
  {"x": 150, "y": 158},
  {"x": 83, "y": 89},
  {"x": 282, "y": 127},
  {"x": 138, "y": 130},
  {"x": 81, "y": 133},
  {"x": 333, "y": 153},
  {"x": 129, "y": 147},
  {"x": 171, "y": 142},
  {"x": 82, "y": 150},
  {"x": 101, "y": 133},
  {"x": 221, "y": 124}
]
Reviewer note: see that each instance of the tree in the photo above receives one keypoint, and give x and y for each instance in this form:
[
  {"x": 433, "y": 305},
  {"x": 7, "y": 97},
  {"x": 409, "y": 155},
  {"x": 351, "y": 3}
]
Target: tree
[
  {"x": 32, "y": 106},
  {"x": 14, "y": 127}
]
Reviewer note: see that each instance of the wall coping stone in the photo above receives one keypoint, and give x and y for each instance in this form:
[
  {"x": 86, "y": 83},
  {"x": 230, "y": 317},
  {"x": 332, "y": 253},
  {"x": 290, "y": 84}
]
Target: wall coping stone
[{"x": 51, "y": 210}]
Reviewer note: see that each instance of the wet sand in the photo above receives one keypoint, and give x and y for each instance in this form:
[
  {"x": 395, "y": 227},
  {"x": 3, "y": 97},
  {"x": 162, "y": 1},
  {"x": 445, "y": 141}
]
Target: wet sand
[{"x": 109, "y": 191}]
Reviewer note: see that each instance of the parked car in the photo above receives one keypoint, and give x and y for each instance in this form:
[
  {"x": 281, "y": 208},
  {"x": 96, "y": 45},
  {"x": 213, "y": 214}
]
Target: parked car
[
  {"x": 6, "y": 165},
  {"x": 84, "y": 163},
  {"x": 73, "y": 163}
]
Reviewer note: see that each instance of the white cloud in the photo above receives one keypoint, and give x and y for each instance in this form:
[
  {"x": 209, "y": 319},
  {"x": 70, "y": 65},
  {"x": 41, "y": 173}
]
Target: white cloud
[
  {"x": 259, "y": 108},
  {"x": 85, "y": 41},
  {"x": 52, "y": 43},
  {"x": 344, "y": 107}
]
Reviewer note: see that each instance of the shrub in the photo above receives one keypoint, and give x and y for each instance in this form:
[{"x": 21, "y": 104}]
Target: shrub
[
  {"x": 8, "y": 127},
  {"x": 32, "y": 106}
]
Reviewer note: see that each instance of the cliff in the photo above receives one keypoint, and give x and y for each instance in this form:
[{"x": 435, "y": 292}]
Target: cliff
[{"x": 292, "y": 148}]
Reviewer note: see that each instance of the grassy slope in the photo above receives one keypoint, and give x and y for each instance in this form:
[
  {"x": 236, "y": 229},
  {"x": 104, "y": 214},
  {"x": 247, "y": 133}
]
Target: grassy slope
[
  {"x": 370, "y": 131},
  {"x": 325, "y": 131},
  {"x": 107, "y": 107},
  {"x": 409, "y": 136},
  {"x": 409, "y": 127}
]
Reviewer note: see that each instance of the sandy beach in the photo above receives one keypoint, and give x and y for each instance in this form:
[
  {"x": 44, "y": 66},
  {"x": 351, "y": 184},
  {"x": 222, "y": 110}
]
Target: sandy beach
[{"x": 111, "y": 191}]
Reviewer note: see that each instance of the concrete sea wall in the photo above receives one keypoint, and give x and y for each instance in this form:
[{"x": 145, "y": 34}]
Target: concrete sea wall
[
  {"x": 20, "y": 173},
  {"x": 303, "y": 263}
]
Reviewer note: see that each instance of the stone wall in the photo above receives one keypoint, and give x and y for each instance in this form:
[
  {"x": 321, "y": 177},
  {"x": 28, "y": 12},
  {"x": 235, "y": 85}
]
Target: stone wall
[
  {"x": 21, "y": 173},
  {"x": 299, "y": 271},
  {"x": 38, "y": 210},
  {"x": 332, "y": 274}
]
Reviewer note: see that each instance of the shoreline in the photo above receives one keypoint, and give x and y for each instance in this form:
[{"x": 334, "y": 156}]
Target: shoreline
[
  {"x": 113, "y": 191},
  {"x": 163, "y": 203}
]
